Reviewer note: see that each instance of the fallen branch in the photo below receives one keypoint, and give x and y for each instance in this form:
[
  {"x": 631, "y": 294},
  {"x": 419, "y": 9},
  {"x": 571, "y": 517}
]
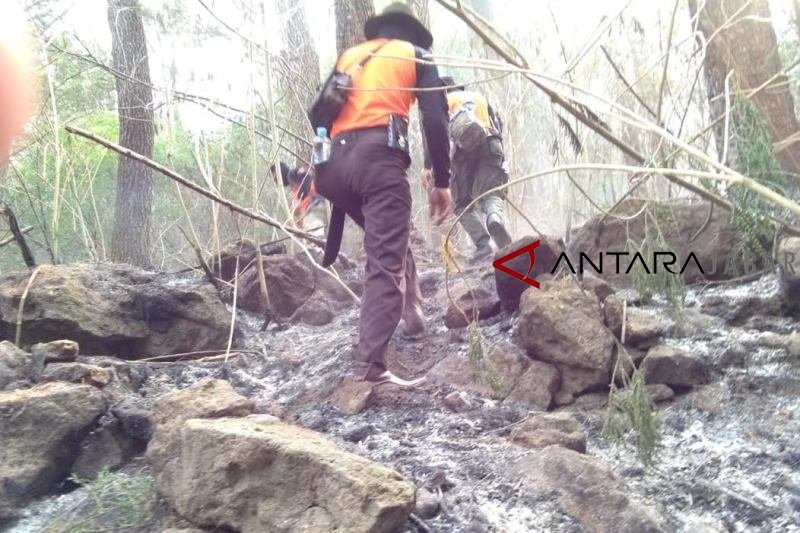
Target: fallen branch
[
  {"x": 193, "y": 186},
  {"x": 199, "y": 355}
]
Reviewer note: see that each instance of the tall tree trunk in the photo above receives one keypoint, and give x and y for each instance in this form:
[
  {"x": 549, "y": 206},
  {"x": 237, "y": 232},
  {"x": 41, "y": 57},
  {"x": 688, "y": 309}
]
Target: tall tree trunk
[
  {"x": 746, "y": 44},
  {"x": 350, "y": 18},
  {"x": 300, "y": 68},
  {"x": 130, "y": 241}
]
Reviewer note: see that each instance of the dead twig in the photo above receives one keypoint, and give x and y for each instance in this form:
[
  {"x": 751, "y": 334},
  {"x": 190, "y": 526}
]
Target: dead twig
[{"x": 193, "y": 186}]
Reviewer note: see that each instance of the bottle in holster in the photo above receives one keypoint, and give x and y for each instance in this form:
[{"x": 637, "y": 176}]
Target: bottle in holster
[{"x": 322, "y": 147}]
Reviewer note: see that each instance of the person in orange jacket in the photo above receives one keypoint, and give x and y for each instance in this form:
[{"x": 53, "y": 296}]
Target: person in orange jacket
[
  {"x": 308, "y": 207},
  {"x": 366, "y": 174}
]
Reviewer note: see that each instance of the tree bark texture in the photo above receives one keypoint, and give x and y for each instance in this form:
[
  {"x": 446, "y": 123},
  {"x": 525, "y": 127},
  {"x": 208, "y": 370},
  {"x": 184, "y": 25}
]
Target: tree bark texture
[
  {"x": 130, "y": 241},
  {"x": 743, "y": 40},
  {"x": 350, "y": 18}
]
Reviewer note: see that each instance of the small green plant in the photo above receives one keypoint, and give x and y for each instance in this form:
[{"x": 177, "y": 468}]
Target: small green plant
[
  {"x": 118, "y": 502},
  {"x": 631, "y": 410},
  {"x": 659, "y": 282},
  {"x": 480, "y": 361},
  {"x": 755, "y": 158}
]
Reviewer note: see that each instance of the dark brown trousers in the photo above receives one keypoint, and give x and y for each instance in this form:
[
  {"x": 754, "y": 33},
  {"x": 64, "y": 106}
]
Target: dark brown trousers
[{"x": 367, "y": 179}]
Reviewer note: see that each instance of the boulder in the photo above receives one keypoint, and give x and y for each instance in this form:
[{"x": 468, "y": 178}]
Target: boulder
[
  {"x": 563, "y": 326},
  {"x": 587, "y": 490},
  {"x": 471, "y": 305},
  {"x": 600, "y": 287},
  {"x": 510, "y": 289},
  {"x": 290, "y": 283},
  {"x": 674, "y": 367},
  {"x": 316, "y": 311},
  {"x": 224, "y": 263},
  {"x": 134, "y": 418},
  {"x": 496, "y": 375},
  {"x": 40, "y": 430},
  {"x": 114, "y": 309},
  {"x": 679, "y": 222},
  {"x": 78, "y": 373},
  {"x": 18, "y": 366},
  {"x": 253, "y": 475},
  {"x": 550, "y": 429},
  {"x": 576, "y": 380},
  {"x": 643, "y": 328},
  {"x": 536, "y": 387},
  {"x": 789, "y": 272},
  {"x": 60, "y": 351},
  {"x": 659, "y": 392},
  {"x": 212, "y": 398}
]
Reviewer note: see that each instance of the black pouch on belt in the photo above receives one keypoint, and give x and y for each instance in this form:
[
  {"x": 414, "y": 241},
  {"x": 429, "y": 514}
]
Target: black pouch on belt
[{"x": 397, "y": 133}]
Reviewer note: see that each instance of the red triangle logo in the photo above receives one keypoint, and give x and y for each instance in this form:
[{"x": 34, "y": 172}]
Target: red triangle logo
[{"x": 499, "y": 263}]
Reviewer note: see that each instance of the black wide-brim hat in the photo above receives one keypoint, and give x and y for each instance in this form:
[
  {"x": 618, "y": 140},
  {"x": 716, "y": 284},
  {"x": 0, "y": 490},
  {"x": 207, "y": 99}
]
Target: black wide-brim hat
[{"x": 399, "y": 13}]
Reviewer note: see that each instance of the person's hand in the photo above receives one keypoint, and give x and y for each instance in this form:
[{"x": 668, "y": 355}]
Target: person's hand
[
  {"x": 427, "y": 179},
  {"x": 440, "y": 202}
]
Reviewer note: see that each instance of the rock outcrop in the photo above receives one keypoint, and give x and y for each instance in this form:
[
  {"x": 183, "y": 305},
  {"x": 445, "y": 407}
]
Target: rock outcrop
[
  {"x": 112, "y": 309},
  {"x": 40, "y": 430},
  {"x": 257, "y": 474}
]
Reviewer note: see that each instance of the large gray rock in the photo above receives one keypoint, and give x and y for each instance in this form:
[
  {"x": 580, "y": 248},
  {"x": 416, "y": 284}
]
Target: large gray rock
[
  {"x": 60, "y": 351},
  {"x": 112, "y": 309},
  {"x": 290, "y": 283},
  {"x": 679, "y": 222},
  {"x": 536, "y": 387},
  {"x": 550, "y": 429},
  {"x": 16, "y": 365},
  {"x": 107, "y": 446},
  {"x": 563, "y": 326},
  {"x": 256, "y": 475},
  {"x": 82, "y": 373},
  {"x": 212, "y": 398},
  {"x": 40, "y": 430},
  {"x": 510, "y": 289},
  {"x": 587, "y": 490},
  {"x": 674, "y": 367}
]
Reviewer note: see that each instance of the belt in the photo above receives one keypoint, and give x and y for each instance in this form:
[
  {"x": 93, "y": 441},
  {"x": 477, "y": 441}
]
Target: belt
[{"x": 351, "y": 135}]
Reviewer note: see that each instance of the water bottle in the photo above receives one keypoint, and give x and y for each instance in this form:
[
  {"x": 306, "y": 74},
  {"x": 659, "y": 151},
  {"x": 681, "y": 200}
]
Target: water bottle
[{"x": 322, "y": 147}]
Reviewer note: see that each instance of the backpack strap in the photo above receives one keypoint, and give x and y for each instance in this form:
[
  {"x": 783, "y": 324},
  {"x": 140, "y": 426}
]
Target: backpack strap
[{"x": 369, "y": 56}]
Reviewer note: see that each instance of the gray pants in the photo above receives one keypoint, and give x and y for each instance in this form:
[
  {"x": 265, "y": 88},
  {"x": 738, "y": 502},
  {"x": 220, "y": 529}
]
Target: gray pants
[{"x": 474, "y": 220}]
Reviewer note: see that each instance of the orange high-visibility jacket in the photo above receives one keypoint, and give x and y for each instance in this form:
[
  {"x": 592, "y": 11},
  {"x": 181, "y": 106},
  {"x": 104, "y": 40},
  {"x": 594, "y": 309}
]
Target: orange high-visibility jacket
[{"x": 384, "y": 86}]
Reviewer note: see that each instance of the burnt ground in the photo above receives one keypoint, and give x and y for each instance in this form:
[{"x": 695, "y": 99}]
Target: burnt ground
[{"x": 728, "y": 461}]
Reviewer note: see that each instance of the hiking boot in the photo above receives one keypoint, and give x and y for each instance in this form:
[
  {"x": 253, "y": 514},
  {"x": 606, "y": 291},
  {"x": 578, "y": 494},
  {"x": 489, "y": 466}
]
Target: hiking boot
[
  {"x": 412, "y": 325},
  {"x": 495, "y": 227}
]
